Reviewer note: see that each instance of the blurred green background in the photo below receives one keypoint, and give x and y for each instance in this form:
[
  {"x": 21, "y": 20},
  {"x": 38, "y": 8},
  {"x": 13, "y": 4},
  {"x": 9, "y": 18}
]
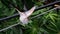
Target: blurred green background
[{"x": 46, "y": 24}]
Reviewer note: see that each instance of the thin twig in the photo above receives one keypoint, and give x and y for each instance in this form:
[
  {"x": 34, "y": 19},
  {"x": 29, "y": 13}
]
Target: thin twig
[
  {"x": 50, "y": 4},
  {"x": 9, "y": 27},
  {"x": 43, "y": 13}
]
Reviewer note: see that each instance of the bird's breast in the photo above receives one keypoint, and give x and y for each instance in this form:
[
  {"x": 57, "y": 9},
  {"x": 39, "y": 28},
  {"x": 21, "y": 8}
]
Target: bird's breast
[{"x": 24, "y": 20}]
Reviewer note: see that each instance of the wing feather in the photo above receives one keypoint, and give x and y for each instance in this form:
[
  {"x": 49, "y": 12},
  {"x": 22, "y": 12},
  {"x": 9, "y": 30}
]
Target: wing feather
[{"x": 29, "y": 12}]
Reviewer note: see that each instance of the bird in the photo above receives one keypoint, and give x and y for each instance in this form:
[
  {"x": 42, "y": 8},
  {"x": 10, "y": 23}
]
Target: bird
[{"x": 24, "y": 15}]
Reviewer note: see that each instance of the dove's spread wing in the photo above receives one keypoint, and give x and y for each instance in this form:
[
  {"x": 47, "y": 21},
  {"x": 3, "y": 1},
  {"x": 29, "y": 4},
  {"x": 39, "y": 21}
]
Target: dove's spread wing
[
  {"x": 19, "y": 11},
  {"x": 23, "y": 18},
  {"x": 24, "y": 15},
  {"x": 28, "y": 13}
]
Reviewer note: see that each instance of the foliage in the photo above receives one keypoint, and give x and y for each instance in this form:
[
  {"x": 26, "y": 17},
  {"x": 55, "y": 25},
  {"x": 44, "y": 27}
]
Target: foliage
[{"x": 48, "y": 23}]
